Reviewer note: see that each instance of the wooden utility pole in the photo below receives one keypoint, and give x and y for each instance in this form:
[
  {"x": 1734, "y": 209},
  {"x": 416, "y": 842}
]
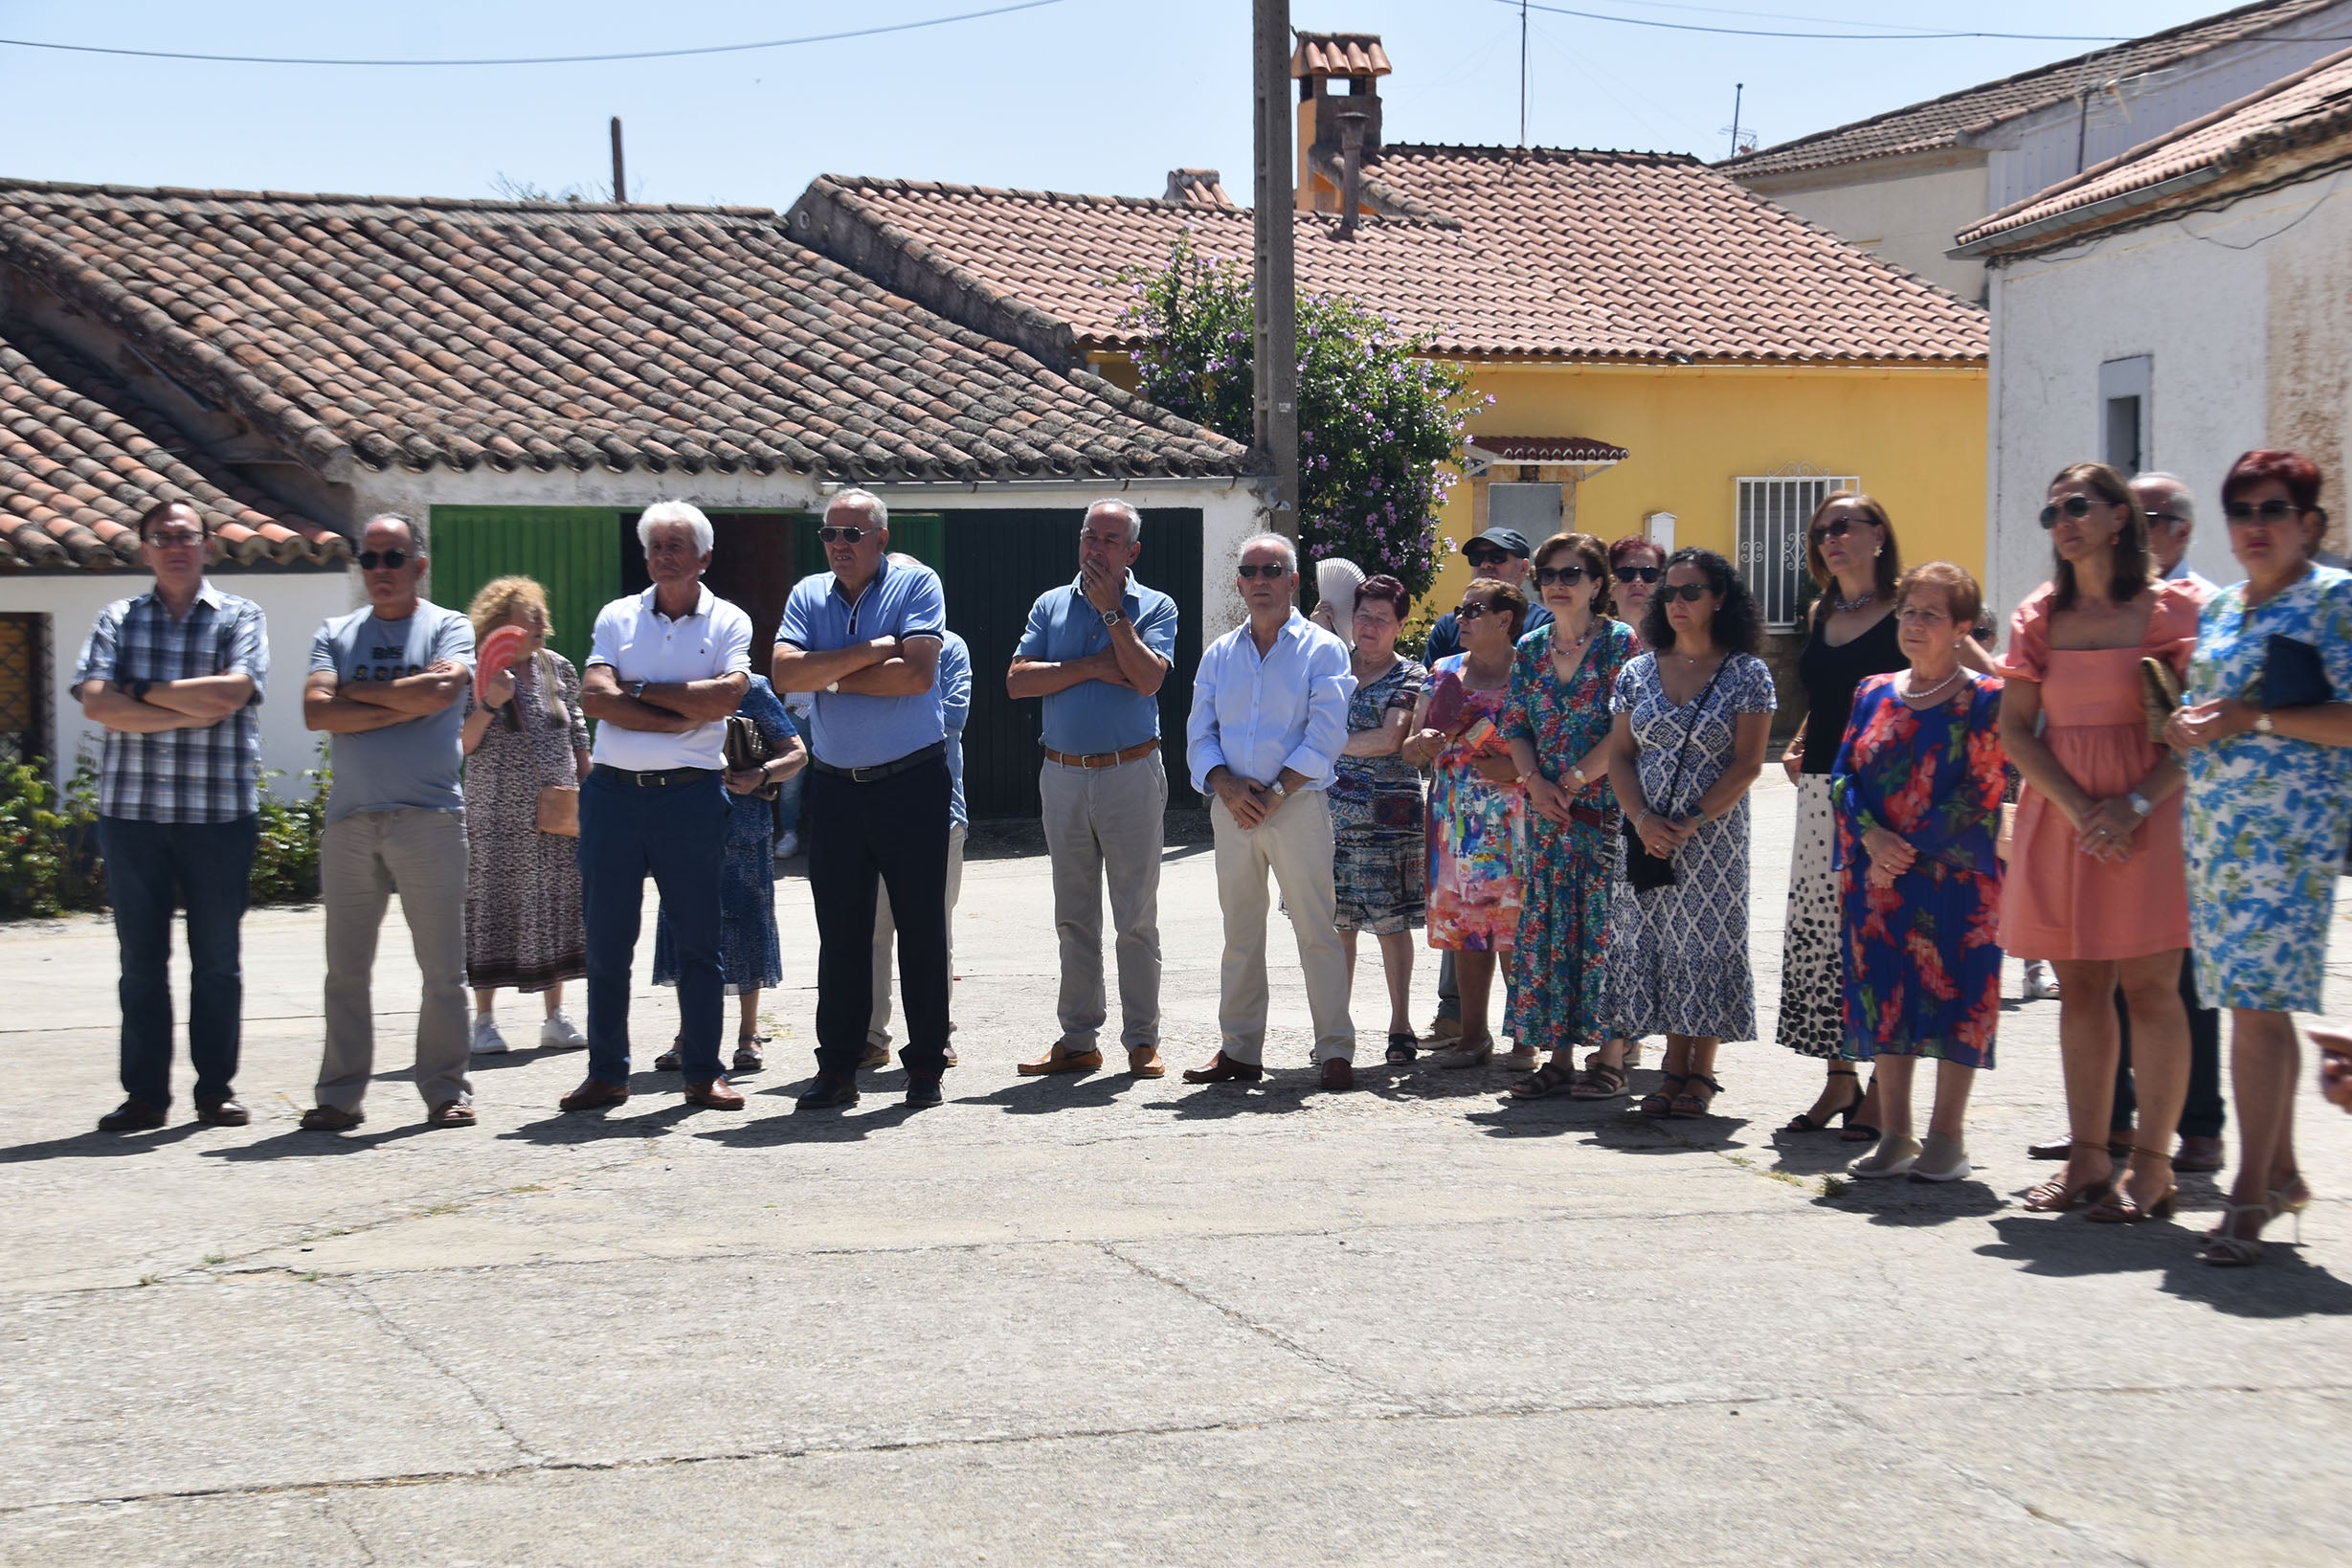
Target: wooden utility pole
[
  {"x": 1275, "y": 285},
  {"x": 621, "y": 176}
]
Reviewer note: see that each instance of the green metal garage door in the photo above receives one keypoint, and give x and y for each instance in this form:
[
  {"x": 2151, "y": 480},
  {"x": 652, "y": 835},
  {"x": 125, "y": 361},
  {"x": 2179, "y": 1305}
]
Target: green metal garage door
[{"x": 574, "y": 551}]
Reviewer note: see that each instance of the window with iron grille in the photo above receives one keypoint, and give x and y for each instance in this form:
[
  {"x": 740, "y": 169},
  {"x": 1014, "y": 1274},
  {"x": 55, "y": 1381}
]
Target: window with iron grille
[
  {"x": 24, "y": 687},
  {"x": 1773, "y": 512}
]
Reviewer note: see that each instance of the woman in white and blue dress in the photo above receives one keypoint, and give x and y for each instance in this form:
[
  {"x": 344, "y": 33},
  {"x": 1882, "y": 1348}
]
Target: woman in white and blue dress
[
  {"x": 1694, "y": 717},
  {"x": 2270, "y": 806}
]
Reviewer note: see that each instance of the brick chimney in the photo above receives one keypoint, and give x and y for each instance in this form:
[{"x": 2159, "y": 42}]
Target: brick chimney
[{"x": 1329, "y": 120}]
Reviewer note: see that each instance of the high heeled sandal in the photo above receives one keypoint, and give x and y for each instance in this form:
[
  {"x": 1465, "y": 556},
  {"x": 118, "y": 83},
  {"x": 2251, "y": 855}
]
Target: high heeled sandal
[
  {"x": 1658, "y": 1101},
  {"x": 2118, "y": 1207},
  {"x": 2054, "y": 1195},
  {"x": 1803, "y": 1122},
  {"x": 2223, "y": 1250}
]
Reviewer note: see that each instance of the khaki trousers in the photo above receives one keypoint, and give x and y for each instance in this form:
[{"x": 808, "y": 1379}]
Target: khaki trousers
[
  {"x": 364, "y": 860},
  {"x": 1295, "y": 843},
  {"x": 1106, "y": 824},
  {"x": 885, "y": 939}
]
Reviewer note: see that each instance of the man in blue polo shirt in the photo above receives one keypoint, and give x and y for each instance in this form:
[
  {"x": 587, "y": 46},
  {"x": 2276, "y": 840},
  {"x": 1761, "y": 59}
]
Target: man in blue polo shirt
[
  {"x": 1097, "y": 650},
  {"x": 864, "y": 638}
]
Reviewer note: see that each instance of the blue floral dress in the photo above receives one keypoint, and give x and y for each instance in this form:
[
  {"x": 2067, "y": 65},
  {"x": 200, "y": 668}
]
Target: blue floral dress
[
  {"x": 2267, "y": 814},
  {"x": 749, "y": 956}
]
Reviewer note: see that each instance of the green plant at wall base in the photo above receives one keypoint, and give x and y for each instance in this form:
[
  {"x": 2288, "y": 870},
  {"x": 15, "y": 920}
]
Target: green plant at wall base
[
  {"x": 285, "y": 855},
  {"x": 1379, "y": 426},
  {"x": 29, "y": 830}
]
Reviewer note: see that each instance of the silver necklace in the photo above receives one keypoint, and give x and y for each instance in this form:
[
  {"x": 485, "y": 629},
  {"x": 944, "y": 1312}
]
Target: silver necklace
[
  {"x": 1929, "y": 698},
  {"x": 1846, "y": 604}
]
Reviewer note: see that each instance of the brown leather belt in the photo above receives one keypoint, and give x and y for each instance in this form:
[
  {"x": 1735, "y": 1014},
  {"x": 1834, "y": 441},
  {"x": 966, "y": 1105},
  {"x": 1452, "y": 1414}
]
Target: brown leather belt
[{"x": 1102, "y": 759}]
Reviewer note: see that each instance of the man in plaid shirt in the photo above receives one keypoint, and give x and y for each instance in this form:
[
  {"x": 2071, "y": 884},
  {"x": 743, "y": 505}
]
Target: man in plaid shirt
[{"x": 175, "y": 677}]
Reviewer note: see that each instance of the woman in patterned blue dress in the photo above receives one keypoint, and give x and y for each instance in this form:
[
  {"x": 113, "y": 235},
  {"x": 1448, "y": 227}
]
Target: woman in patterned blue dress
[
  {"x": 2270, "y": 804},
  {"x": 1693, "y": 715}
]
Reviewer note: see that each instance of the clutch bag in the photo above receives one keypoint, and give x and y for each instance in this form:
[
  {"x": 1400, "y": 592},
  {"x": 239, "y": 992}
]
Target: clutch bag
[
  {"x": 2159, "y": 694},
  {"x": 2293, "y": 675}
]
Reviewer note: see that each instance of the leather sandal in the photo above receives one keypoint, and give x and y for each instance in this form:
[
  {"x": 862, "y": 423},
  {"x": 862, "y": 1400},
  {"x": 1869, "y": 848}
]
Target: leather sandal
[
  {"x": 2118, "y": 1207},
  {"x": 1690, "y": 1102},
  {"x": 1804, "y": 1122},
  {"x": 1557, "y": 1076},
  {"x": 1660, "y": 1101},
  {"x": 2055, "y": 1196},
  {"x": 451, "y": 1114},
  {"x": 1599, "y": 1080}
]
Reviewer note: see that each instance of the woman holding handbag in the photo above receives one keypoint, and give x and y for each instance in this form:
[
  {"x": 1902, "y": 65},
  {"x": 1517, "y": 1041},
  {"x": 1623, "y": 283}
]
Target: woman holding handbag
[
  {"x": 525, "y": 753},
  {"x": 1694, "y": 718}
]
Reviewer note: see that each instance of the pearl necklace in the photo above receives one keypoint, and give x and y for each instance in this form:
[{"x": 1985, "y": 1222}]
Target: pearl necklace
[{"x": 1934, "y": 693}]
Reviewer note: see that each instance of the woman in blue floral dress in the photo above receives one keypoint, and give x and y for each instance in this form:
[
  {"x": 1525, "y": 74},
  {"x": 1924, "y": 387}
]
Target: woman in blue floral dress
[
  {"x": 2270, "y": 805},
  {"x": 1917, "y": 787},
  {"x": 1557, "y": 723},
  {"x": 1379, "y": 868}
]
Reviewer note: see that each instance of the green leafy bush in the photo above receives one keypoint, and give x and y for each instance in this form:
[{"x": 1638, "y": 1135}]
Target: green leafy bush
[{"x": 285, "y": 858}]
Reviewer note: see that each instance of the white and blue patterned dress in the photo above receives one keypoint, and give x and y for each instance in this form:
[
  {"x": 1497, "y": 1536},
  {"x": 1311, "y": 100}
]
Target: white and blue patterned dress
[
  {"x": 1678, "y": 954},
  {"x": 2268, "y": 814}
]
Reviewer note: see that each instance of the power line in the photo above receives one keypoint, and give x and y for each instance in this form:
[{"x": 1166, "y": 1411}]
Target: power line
[
  {"x": 1871, "y": 37},
  {"x": 537, "y": 59}
]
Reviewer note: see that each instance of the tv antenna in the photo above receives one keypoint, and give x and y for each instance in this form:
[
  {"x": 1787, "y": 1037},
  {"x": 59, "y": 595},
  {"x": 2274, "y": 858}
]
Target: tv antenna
[{"x": 1743, "y": 138}]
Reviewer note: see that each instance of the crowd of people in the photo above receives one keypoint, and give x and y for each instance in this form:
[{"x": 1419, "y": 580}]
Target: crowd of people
[{"x": 1556, "y": 795}]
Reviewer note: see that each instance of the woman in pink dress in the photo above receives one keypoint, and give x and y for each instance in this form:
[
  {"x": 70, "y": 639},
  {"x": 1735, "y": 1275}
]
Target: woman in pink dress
[{"x": 2096, "y": 879}]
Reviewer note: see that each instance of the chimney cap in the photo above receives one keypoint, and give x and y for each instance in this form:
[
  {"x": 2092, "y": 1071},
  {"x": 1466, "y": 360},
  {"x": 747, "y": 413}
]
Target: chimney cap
[
  {"x": 1197, "y": 187},
  {"x": 1339, "y": 55}
]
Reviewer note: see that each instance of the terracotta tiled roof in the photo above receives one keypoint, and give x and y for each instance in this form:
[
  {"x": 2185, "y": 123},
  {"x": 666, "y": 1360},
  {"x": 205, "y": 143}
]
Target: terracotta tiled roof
[
  {"x": 1339, "y": 55},
  {"x": 429, "y": 332},
  {"x": 2312, "y": 107},
  {"x": 82, "y": 458},
  {"x": 1541, "y": 254},
  {"x": 1545, "y": 449},
  {"x": 1944, "y": 122}
]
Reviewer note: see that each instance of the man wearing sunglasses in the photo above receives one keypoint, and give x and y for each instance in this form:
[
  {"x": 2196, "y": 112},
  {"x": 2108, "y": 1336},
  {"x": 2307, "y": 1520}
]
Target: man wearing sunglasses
[
  {"x": 387, "y": 682},
  {"x": 2172, "y": 517},
  {"x": 864, "y": 638}
]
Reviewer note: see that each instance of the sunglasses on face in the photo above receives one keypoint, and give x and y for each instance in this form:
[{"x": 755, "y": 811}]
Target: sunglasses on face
[
  {"x": 1485, "y": 558},
  {"x": 843, "y": 535},
  {"x": 1838, "y": 527},
  {"x": 1474, "y": 610},
  {"x": 388, "y": 560},
  {"x": 2076, "y": 507},
  {"x": 1268, "y": 570},
  {"x": 1546, "y": 576},
  {"x": 1639, "y": 575},
  {"x": 2270, "y": 511},
  {"x": 2157, "y": 520},
  {"x": 1689, "y": 593}
]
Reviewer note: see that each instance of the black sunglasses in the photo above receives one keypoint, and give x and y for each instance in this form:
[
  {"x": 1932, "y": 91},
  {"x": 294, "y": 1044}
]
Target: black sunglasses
[
  {"x": 1546, "y": 576},
  {"x": 1837, "y": 527},
  {"x": 2273, "y": 510},
  {"x": 2076, "y": 507},
  {"x": 1691, "y": 592},
  {"x": 1472, "y": 609},
  {"x": 1268, "y": 570},
  {"x": 2156, "y": 517},
  {"x": 1639, "y": 575},
  {"x": 390, "y": 560},
  {"x": 1484, "y": 558},
  {"x": 843, "y": 535}
]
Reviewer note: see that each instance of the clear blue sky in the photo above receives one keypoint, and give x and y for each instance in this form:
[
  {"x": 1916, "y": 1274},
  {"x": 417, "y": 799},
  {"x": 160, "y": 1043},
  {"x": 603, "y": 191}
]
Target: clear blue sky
[{"x": 1083, "y": 95}]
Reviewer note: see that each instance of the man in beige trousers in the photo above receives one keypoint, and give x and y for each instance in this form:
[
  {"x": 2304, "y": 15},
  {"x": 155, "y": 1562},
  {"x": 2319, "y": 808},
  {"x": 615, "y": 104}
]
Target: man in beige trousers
[{"x": 1269, "y": 717}]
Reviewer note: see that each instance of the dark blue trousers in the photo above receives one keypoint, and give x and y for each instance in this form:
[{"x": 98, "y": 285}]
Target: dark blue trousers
[
  {"x": 207, "y": 869},
  {"x": 892, "y": 832},
  {"x": 676, "y": 832}
]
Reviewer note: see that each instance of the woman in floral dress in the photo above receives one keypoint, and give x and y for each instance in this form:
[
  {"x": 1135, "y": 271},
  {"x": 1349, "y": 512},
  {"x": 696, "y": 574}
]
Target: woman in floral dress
[
  {"x": 2270, "y": 805},
  {"x": 1917, "y": 786},
  {"x": 1379, "y": 858},
  {"x": 1477, "y": 811},
  {"x": 1557, "y": 723}
]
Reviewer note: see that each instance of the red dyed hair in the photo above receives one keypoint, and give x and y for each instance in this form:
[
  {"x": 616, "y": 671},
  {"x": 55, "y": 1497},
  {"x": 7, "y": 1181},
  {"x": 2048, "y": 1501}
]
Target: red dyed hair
[
  {"x": 1386, "y": 590},
  {"x": 2292, "y": 469}
]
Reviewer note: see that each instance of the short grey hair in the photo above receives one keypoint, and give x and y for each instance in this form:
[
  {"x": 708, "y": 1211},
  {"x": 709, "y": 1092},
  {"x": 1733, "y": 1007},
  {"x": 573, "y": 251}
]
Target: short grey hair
[
  {"x": 416, "y": 540},
  {"x": 671, "y": 514},
  {"x": 1132, "y": 517},
  {"x": 867, "y": 501},
  {"x": 1280, "y": 541},
  {"x": 2189, "y": 498}
]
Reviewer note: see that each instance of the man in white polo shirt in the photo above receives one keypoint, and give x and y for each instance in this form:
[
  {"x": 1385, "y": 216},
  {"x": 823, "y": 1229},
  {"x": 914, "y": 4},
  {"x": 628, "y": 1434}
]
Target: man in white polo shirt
[{"x": 665, "y": 669}]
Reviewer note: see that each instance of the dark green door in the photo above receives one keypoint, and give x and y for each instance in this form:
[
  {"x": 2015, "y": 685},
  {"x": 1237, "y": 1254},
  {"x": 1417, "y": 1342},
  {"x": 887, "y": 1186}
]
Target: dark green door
[{"x": 573, "y": 551}]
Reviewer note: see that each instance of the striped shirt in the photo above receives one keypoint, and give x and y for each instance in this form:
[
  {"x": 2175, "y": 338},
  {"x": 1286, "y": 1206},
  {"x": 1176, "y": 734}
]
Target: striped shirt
[{"x": 212, "y": 775}]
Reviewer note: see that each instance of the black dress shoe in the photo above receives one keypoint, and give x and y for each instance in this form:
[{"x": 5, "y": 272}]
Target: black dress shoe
[
  {"x": 222, "y": 1113},
  {"x": 132, "y": 1116},
  {"x": 923, "y": 1091},
  {"x": 827, "y": 1093}
]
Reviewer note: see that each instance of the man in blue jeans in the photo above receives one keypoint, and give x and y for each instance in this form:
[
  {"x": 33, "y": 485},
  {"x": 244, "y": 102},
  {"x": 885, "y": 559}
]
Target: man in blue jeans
[
  {"x": 665, "y": 670},
  {"x": 175, "y": 677}
]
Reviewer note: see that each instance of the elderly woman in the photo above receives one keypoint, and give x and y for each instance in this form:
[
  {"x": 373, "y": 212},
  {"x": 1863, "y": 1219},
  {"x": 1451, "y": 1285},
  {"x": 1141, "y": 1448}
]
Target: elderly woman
[
  {"x": 2096, "y": 879},
  {"x": 523, "y": 734},
  {"x": 1378, "y": 854},
  {"x": 2268, "y": 737},
  {"x": 1694, "y": 717},
  {"x": 748, "y": 958},
  {"x": 1850, "y": 550},
  {"x": 1917, "y": 783},
  {"x": 1557, "y": 723},
  {"x": 1477, "y": 811}
]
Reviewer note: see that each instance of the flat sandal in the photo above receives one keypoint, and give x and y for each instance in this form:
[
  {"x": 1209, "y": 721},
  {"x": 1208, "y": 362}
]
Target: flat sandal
[{"x": 1658, "y": 1101}]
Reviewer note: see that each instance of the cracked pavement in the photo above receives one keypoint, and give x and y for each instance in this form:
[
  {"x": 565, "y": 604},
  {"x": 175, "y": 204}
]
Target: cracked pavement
[{"x": 1098, "y": 1319}]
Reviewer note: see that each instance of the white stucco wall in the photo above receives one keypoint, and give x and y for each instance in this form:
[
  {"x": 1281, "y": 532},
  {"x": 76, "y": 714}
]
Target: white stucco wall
[
  {"x": 2207, "y": 296},
  {"x": 1904, "y": 211}
]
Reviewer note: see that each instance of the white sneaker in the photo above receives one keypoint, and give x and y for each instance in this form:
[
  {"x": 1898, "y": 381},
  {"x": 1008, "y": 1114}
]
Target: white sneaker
[
  {"x": 488, "y": 1040},
  {"x": 789, "y": 845},
  {"x": 560, "y": 1034},
  {"x": 2041, "y": 985}
]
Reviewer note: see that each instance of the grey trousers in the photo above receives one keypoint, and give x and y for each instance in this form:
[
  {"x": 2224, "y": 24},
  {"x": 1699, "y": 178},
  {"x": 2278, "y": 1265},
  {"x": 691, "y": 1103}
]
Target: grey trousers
[
  {"x": 1106, "y": 824},
  {"x": 885, "y": 940},
  {"x": 1294, "y": 843},
  {"x": 364, "y": 860}
]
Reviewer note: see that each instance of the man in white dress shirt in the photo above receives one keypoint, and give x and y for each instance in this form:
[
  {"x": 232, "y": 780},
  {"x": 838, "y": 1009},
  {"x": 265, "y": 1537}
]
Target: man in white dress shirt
[
  {"x": 1269, "y": 717},
  {"x": 665, "y": 670}
]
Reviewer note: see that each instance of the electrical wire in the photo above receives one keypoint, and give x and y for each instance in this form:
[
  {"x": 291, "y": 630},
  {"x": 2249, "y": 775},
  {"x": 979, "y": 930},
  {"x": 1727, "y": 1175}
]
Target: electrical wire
[
  {"x": 537, "y": 59},
  {"x": 1775, "y": 32}
]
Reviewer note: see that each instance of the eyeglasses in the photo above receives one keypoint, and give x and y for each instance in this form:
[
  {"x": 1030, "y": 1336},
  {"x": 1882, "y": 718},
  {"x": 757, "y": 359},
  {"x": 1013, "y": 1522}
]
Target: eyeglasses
[
  {"x": 1639, "y": 575},
  {"x": 1689, "y": 593},
  {"x": 389, "y": 560},
  {"x": 1546, "y": 576},
  {"x": 1474, "y": 610},
  {"x": 1837, "y": 527},
  {"x": 1919, "y": 616},
  {"x": 2157, "y": 517},
  {"x": 177, "y": 540},
  {"x": 843, "y": 535},
  {"x": 2273, "y": 510},
  {"x": 2076, "y": 507},
  {"x": 1485, "y": 558},
  {"x": 1268, "y": 570}
]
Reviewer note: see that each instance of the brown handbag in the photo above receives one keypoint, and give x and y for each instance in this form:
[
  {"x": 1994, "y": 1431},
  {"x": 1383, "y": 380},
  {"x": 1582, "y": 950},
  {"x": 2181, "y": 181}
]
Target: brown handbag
[{"x": 559, "y": 810}]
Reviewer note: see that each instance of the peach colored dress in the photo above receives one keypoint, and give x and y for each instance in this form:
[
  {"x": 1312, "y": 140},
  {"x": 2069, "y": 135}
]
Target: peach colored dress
[{"x": 2057, "y": 902}]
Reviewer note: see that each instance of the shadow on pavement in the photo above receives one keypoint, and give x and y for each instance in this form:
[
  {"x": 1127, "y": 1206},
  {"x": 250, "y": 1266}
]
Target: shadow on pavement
[
  {"x": 302, "y": 1144},
  {"x": 2281, "y": 1286},
  {"x": 97, "y": 1145},
  {"x": 1060, "y": 1092},
  {"x": 842, "y": 1126},
  {"x": 1903, "y": 1202}
]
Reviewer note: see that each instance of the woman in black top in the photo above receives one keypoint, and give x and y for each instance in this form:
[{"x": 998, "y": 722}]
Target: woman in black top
[{"x": 1850, "y": 549}]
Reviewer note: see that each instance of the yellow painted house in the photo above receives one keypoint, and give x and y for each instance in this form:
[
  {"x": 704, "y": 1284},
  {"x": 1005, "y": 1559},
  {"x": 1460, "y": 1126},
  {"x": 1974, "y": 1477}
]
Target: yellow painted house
[{"x": 1666, "y": 350}]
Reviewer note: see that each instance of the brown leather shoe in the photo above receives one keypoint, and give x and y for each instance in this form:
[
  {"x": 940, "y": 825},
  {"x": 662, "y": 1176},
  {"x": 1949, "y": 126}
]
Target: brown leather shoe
[
  {"x": 593, "y": 1094},
  {"x": 1143, "y": 1061},
  {"x": 222, "y": 1113},
  {"x": 330, "y": 1119},
  {"x": 132, "y": 1116},
  {"x": 2198, "y": 1154},
  {"x": 1059, "y": 1059},
  {"x": 1338, "y": 1074},
  {"x": 451, "y": 1114},
  {"x": 1224, "y": 1069},
  {"x": 716, "y": 1095}
]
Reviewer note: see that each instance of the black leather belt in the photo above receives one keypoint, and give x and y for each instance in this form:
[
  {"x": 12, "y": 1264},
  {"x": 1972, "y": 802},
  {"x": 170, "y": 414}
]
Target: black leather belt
[
  {"x": 659, "y": 780},
  {"x": 884, "y": 770}
]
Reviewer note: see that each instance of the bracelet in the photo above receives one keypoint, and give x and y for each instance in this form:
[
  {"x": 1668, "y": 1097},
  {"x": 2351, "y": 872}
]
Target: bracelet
[
  {"x": 1639, "y": 821},
  {"x": 1577, "y": 773}
]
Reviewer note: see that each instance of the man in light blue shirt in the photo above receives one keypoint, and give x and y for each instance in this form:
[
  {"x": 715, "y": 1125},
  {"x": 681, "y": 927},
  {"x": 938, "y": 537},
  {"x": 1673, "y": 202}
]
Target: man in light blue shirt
[
  {"x": 1270, "y": 718},
  {"x": 1097, "y": 651}
]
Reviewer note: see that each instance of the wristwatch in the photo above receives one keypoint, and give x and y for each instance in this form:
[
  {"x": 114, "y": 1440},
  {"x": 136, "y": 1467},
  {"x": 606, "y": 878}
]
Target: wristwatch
[
  {"x": 636, "y": 690},
  {"x": 139, "y": 690},
  {"x": 2263, "y": 725},
  {"x": 1112, "y": 618},
  {"x": 834, "y": 686},
  {"x": 2140, "y": 803},
  {"x": 1280, "y": 794},
  {"x": 1577, "y": 773}
]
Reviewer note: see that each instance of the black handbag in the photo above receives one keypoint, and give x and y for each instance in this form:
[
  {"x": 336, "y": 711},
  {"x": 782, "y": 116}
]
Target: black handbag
[
  {"x": 746, "y": 749},
  {"x": 2293, "y": 675},
  {"x": 1644, "y": 870}
]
